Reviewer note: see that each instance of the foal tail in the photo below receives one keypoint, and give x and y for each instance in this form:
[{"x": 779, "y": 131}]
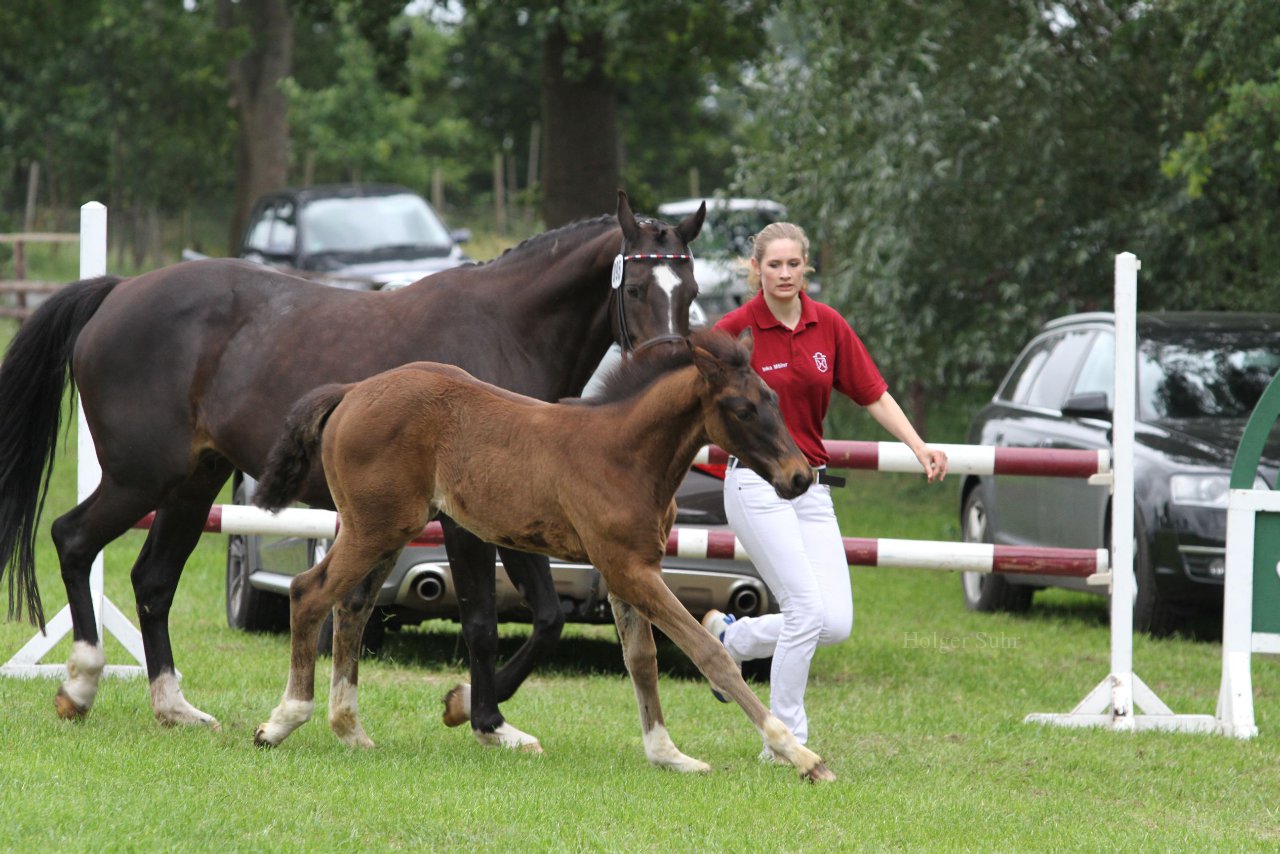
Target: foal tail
[
  {"x": 33, "y": 380},
  {"x": 289, "y": 460}
]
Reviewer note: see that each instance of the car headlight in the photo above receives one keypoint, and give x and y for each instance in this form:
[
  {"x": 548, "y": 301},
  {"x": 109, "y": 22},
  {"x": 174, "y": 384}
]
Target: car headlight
[{"x": 1204, "y": 490}]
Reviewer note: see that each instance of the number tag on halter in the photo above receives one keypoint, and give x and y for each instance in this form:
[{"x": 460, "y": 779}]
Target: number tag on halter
[{"x": 616, "y": 281}]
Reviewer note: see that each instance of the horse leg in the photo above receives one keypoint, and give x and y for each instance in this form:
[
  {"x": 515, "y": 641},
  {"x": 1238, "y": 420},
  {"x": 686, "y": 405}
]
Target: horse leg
[
  {"x": 471, "y": 563},
  {"x": 641, "y": 657},
  {"x": 642, "y": 586},
  {"x": 531, "y": 575},
  {"x": 176, "y": 531},
  {"x": 312, "y": 595},
  {"x": 349, "y": 619},
  {"x": 79, "y": 535}
]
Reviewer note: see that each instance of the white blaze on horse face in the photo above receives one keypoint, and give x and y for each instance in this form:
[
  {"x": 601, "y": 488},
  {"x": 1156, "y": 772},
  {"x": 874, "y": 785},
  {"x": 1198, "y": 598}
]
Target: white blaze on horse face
[{"x": 668, "y": 281}]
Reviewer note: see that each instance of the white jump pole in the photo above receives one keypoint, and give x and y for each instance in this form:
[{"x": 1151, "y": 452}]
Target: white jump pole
[
  {"x": 1114, "y": 701},
  {"x": 25, "y": 663}
]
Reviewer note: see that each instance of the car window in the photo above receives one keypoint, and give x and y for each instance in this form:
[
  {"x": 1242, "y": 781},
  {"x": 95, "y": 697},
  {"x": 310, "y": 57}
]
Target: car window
[
  {"x": 274, "y": 232},
  {"x": 1206, "y": 373},
  {"x": 1049, "y": 389},
  {"x": 370, "y": 223},
  {"x": 1045, "y": 371},
  {"x": 1097, "y": 374}
]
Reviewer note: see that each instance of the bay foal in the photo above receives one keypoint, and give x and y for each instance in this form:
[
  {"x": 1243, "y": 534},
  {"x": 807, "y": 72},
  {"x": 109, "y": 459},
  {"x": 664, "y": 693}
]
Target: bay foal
[{"x": 598, "y": 486}]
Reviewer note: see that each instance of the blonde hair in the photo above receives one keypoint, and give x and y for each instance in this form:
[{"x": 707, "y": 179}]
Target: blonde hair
[{"x": 771, "y": 232}]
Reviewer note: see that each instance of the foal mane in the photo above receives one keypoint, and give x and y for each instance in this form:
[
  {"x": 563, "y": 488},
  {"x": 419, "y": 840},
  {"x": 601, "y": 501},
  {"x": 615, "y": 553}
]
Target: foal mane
[{"x": 636, "y": 374}]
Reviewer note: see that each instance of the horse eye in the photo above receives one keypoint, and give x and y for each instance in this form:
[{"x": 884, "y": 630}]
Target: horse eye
[
  {"x": 633, "y": 291},
  {"x": 744, "y": 413}
]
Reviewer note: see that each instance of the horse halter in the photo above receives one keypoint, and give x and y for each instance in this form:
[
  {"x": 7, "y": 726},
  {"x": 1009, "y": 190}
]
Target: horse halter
[{"x": 619, "y": 265}]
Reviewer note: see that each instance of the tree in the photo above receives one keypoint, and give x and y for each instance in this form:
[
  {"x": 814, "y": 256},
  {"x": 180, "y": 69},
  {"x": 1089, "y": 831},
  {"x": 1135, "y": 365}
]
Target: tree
[
  {"x": 592, "y": 54},
  {"x": 973, "y": 170},
  {"x": 255, "y": 77}
]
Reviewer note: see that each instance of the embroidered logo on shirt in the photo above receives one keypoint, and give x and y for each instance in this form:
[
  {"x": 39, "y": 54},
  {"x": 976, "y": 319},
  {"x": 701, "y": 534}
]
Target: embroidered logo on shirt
[{"x": 820, "y": 362}]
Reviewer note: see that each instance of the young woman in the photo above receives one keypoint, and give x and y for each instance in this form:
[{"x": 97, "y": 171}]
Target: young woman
[{"x": 802, "y": 349}]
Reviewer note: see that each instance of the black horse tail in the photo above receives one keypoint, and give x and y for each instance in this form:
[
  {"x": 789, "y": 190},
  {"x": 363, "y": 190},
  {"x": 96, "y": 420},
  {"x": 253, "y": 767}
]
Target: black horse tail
[
  {"x": 289, "y": 460},
  {"x": 33, "y": 380}
]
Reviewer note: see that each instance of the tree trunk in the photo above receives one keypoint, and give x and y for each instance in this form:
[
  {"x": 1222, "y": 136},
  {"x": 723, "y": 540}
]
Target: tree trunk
[
  {"x": 579, "y": 117},
  {"x": 262, "y": 143}
]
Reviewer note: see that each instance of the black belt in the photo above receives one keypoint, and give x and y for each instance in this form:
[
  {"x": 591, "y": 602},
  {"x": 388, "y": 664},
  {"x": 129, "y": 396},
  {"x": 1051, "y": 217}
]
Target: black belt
[
  {"x": 820, "y": 473},
  {"x": 829, "y": 479}
]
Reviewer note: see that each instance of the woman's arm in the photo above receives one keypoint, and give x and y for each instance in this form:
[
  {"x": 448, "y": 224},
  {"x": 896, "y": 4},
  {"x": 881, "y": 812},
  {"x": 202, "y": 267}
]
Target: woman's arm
[{"x": 891, "y": 417}]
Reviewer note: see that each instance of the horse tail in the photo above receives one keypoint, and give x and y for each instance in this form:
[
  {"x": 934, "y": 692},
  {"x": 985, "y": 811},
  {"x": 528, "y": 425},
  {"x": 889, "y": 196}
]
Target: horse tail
[
  {"x": 33, "y": 380},
  {"x": 289, "y": 460}
]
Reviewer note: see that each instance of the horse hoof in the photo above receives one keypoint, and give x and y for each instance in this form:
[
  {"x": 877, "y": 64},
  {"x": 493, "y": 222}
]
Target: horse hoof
[
  {"x": 68, "y": 709},
  {"x": 457, "y": 705},
  {"x": 819, "y": 773},
  {"x": 509, "y": 737}
]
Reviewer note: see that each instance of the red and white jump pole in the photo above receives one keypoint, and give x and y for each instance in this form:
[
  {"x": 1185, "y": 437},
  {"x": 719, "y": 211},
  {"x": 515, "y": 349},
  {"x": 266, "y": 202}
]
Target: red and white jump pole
[
  {"x": 961, "y": 459},
  {"x": 703, "y": 543}
]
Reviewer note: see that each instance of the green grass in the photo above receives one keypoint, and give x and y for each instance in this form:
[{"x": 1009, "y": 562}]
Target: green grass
[{"x": 919, "y": 713}]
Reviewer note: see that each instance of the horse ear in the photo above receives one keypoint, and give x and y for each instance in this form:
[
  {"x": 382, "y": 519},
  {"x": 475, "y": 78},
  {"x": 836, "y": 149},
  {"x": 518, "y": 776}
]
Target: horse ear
[
  {"x": 709, "y": 366},
  {"x": 691, "y": 226},
  {"x": 746, "y": 339},
  {"x": 626, "y": 219}
]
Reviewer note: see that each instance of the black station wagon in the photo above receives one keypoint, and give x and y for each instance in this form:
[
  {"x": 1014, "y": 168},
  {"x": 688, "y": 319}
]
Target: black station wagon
[{"x": 1199, "y": 377}]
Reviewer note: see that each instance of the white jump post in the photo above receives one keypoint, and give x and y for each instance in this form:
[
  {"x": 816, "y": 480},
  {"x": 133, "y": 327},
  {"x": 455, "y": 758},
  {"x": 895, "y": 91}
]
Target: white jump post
[
  {"x": 1113, "y": 703},
  {"x": 25, "y": 663}
]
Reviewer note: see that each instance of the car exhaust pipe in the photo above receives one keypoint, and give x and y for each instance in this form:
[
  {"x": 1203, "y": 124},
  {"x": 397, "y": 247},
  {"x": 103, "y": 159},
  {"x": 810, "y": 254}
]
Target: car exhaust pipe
[
  {"x": 429, "y": 586},
  {"x": 745, "y": 601}
]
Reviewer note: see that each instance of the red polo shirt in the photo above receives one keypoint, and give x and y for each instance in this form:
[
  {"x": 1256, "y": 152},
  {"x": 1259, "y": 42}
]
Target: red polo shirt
[{"x": 803, "y": 364}]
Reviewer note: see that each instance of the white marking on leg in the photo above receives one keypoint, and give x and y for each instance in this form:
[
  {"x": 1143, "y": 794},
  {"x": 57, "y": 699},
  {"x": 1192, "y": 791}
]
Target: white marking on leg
[
  {"x": 668, "y": 281},
  {"x": 662, "y": 751},
  {"x": 344, "y": 715},
  {"x": 285, "y": 718},
  {"x": 509, "y": 737},
  {"x": 171, "y": 708},
  {"x": 84, "y": 670},
  {"x": 785, "y": 745}
]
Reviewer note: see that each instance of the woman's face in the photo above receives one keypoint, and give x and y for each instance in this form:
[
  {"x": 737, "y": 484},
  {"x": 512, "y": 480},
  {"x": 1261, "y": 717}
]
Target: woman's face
[{"x": 782, "y": 269}]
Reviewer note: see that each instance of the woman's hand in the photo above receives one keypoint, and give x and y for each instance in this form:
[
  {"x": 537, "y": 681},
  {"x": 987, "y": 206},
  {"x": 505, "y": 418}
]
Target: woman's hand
[{"x": 933, "y": 461}]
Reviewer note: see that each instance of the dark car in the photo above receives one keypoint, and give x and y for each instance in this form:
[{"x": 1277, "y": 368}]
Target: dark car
[
  {"x": 1199, "y": 376},
  {"x": 362, "y": 236}
]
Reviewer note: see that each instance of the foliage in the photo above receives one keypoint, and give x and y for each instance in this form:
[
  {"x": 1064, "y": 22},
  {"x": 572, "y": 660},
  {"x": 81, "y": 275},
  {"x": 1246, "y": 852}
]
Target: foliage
[
  {"x": 1223, "y": 123},
  {"x": 343, "y": 134},
  {"x": 663, "y": 61},
  {"x": 119, "y": 100},
  {"x": 967, "y": 169}
]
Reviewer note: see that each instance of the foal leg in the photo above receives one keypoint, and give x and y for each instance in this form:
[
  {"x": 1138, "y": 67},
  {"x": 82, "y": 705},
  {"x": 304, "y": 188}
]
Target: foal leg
[
  {"x": 641, "y": 657},
  {"x": 643, "y": 587},
  {"x": 471, "y": 563},
  {"x": 349, "y": 619}
]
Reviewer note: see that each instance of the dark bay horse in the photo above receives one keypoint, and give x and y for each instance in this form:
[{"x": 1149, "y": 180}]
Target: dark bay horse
[
  {"x": 189, "y": 371},
  {"x": 599, "y": 486}
]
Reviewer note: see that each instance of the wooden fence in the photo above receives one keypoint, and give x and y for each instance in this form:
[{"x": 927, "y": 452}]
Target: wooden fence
[{"x": 14, "y": 292}]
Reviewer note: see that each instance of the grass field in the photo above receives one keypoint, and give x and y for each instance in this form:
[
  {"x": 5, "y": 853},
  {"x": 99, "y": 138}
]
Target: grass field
[{"x": 919, "y": 714}]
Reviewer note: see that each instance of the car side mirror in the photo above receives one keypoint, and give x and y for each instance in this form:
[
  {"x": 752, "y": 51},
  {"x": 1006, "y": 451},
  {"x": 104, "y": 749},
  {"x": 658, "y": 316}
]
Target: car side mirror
[
  {"x": 1091, "y": 404},
  {"x": 460, "y": 235}
]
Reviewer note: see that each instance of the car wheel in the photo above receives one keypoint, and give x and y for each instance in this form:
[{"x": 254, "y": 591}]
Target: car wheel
[
  {"x": 1152, "y": 613},
  {"x": 249, "y": 609},
  {"x": 984, "y": 591}
]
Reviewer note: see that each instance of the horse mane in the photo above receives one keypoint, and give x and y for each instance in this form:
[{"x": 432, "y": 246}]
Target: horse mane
[
  {"x": 537, "y": 240},
  {"x": 636, "y": 374}
]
